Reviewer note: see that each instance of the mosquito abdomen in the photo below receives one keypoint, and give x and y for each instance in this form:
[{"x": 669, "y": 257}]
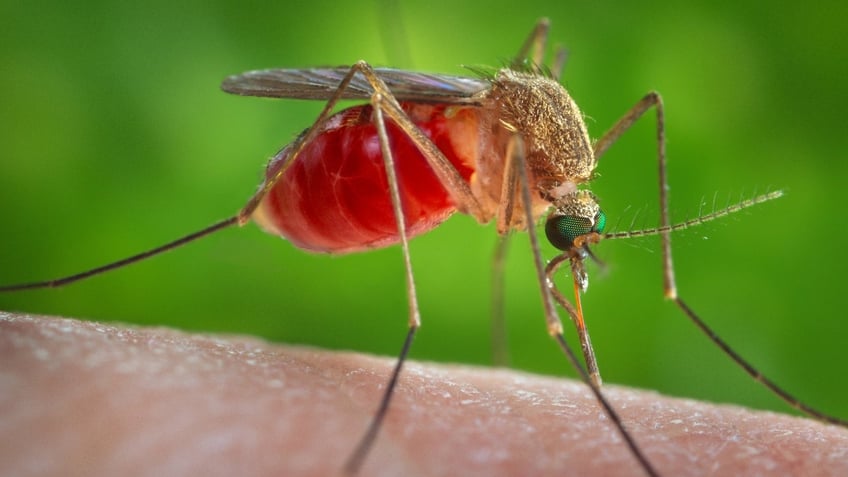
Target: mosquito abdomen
[{"x": 334, "y": 198}]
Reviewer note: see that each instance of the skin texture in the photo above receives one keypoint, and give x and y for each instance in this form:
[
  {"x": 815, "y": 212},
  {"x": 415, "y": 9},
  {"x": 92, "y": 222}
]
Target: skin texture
[{"x": 85, "y": 398}]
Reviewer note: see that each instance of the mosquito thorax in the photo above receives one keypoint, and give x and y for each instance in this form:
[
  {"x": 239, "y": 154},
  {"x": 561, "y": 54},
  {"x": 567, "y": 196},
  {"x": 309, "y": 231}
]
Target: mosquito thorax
[
  {"x": 575, "y": 216},
  {"x": 549, "y": 121}
]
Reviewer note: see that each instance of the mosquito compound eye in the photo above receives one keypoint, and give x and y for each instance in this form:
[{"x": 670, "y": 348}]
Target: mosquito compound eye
[
  {"x": 600, "y": 222},
  {"x": 562, "y": 230}
]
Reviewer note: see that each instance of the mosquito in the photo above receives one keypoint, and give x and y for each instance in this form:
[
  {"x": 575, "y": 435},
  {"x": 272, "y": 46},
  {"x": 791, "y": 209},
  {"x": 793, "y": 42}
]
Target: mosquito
[{"x": 508, "y": 146}]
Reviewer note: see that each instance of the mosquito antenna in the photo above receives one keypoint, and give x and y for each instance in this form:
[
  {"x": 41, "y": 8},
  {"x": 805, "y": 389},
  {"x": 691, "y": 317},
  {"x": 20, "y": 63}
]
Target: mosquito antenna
[
  {"x": 730, "y": 209},
  {"x": 58, "y": 282}
]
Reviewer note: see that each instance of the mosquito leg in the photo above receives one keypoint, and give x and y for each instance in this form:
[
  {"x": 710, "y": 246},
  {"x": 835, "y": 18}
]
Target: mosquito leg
[
  {"x": 626, "y": 121},
  {"x": 665, "y": 229},
  {"x": 500, "y": 355},
  {"x": 515, "y": 153},
  {"x": 240, "y": 219},
  {"x": 504, "y": 224},
  {"x": 756, "y": 374},
  {"x": 506, "y": 212},
  {"x": 400, "y": 217},
  {"x": 355, "y": 461},
  {"x": 558, "y": 65},
  {"x": 384, "y": 103},
  {"x": 58, "y": 282},
  {"x": 458, "y": 188},
  {"x": 447, "y": 174},
  {"x": 651, "y": 99},
  {"x": 534, "y": 46}
]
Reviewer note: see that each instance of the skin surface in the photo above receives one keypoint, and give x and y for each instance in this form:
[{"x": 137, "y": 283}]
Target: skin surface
[{"x": 83, "y": 398}]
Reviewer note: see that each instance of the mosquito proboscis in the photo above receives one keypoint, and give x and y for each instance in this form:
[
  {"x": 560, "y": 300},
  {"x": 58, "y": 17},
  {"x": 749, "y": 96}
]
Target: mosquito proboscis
[{"x": 508, "y": 146}]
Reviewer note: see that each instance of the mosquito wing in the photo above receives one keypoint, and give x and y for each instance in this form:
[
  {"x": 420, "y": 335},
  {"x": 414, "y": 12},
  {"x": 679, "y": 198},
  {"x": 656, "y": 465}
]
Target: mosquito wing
[{"x": 321, "y": 83}]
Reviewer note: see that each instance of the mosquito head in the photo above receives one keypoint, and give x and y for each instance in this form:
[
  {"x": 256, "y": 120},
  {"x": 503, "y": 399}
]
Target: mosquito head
[{"x": 576, "y": 221}]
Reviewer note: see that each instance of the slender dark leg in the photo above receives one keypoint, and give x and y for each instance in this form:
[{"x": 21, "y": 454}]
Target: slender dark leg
[
  {"x": 384, "y": 104},
  {"x": 58, "y": 282},
  {"x": 500, "y": 354},
  {"x": 533, "y": 47},
  {"x": 665, "y": 228},
  {"x": 516, "y": 153}
]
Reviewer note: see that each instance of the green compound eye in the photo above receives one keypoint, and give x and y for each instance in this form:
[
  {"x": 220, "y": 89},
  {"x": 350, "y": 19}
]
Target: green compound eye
[
  {"x": 600, "y": 222},
  {"x": 564, "y": 229}
]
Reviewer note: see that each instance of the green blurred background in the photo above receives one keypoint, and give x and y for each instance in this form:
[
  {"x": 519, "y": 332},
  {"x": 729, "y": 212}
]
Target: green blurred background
[{"x": 115, "y": 138}]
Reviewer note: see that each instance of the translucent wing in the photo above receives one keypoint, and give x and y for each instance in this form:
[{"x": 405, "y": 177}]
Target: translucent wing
[{"x": 321, "y": 83}]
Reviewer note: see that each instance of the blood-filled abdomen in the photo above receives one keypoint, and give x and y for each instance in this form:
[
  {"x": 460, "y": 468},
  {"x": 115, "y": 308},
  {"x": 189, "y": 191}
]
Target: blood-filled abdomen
[{"x": 334, "y": 197}]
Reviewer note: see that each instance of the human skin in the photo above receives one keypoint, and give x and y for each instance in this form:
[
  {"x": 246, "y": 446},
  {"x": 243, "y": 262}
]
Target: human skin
[{"x": 91, "y": 399}]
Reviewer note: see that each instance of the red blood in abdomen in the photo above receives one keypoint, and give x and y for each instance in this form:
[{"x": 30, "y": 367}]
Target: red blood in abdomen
[{"x": 335, "y": 197}]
